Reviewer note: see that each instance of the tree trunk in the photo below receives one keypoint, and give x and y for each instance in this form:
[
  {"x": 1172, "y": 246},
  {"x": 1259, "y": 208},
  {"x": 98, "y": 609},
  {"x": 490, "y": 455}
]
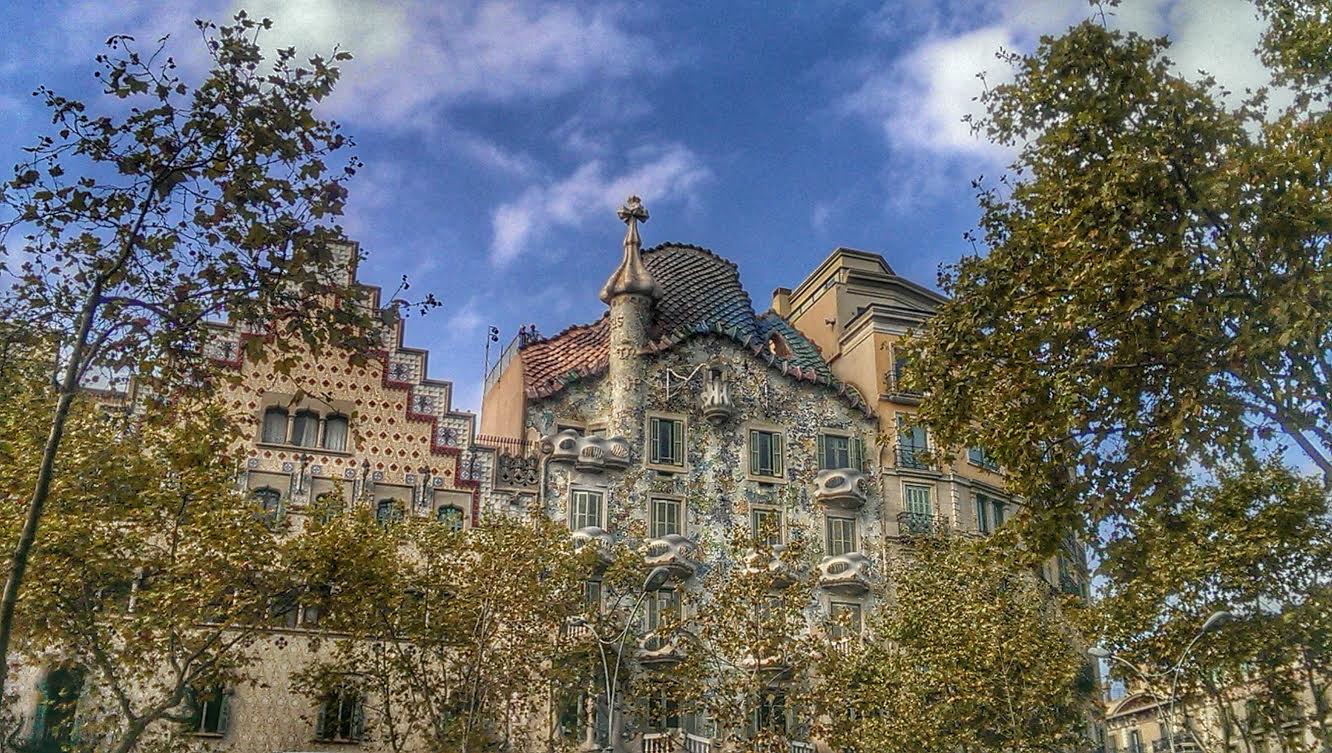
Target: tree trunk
[{"x": 69, "y": 384}]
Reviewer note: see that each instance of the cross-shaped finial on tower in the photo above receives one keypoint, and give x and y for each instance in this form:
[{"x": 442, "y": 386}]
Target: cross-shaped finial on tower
[{"x": 631, "y": 276}]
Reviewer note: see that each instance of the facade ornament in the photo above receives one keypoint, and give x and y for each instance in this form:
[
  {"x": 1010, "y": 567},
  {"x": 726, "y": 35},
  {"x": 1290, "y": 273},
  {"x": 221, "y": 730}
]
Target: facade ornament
[
  {"x": 717, "y": 404},
  {"x": 632, "y": 276}
]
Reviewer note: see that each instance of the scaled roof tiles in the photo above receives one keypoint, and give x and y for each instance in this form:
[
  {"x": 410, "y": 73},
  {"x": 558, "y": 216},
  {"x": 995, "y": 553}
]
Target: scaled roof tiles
[{"x": 701, "y": 294}]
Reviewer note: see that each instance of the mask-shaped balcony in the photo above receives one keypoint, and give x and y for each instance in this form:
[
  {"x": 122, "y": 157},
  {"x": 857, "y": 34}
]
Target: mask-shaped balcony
[
  {"x": 845, "y": 573},
  {"x": 841, "y": 487},
  {"x": 672, "y": 551},
  {"x": 599, "y": 539},
  {"x": 591, "y": 455},
  {"x": 657, "y": 651},
  {"x": 617, "y": 452},
  {"x": 562, "y": 447},
  {"x": 781, "y": 571}
]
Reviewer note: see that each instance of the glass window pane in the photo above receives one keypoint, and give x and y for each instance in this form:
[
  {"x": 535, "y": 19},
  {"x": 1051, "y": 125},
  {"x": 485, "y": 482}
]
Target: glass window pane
[
  {"x": 335, "y": 433},
  {"x": 275, "y": 426},
  {"x": 836, "y": 452},
  {"x": 305, "y": 429},
  {"x": 841, "y": 536},
  {"x": 767, "y": 525},
  {"x": 665, "y": 517},
  {"x": 918, "y": 500},
  {"x": 585, "y": 510}
]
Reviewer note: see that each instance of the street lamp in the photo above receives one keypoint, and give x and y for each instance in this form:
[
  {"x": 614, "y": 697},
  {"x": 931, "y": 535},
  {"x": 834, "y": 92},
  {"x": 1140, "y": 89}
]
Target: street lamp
[
  {"x": 1211, "y": 624},
  {"x": 655, "y": 579}
]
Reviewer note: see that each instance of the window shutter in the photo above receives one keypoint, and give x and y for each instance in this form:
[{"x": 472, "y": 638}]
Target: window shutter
[
  {"x": 823, "y": 452},
  {"x": 321, "y": 721},
  {"x": 358, "y": 717},
  {"x": 777, "y": 465},
  {"x": 654, "y": 440},
  {"x": 678, "y": 449},
  {"x": 857, "y": 453},
  {"x": 753, "y": 453},
  {"x": 223, "y": 711}
]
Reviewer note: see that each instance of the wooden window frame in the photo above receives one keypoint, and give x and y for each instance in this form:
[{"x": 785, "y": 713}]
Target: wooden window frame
[{"x": 681, "y": 442}]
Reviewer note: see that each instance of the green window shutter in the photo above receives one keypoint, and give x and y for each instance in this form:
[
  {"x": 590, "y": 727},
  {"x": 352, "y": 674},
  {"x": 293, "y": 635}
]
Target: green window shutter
[
  {"x": 321, "y": 721},
  {"x": 223, "y": 711},
  {"x": 857, "y": 454},
  {"x": 654, "y": 440},
  {"x": 777, "y": 460},
  {"x": 358, "y": 717},
  {"x": 678, "y": 447},
  {"x": 754, "y": 452},
  {"x": 823, "y": 452}
]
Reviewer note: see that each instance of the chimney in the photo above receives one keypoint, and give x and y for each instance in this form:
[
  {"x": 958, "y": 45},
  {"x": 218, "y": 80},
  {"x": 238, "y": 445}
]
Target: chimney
[{"x": 781, "y": 301}]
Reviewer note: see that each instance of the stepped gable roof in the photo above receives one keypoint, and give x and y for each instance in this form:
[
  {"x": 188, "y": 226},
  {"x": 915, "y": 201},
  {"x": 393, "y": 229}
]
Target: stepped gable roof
[{"x": 700, "y": 294}]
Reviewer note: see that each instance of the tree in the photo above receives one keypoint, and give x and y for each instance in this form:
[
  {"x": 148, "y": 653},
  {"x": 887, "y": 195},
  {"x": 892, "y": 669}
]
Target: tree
[
  {"x": 1158, "y": 278},
  {"x": 969, "y": 653},
  {"x": 1255, "y": 540},
  {"x": 186, "y": 204},
  {"x": 155, "y": 575},
  {"x": 751, "y": 650},
  {"x": 452, "y": 636}
]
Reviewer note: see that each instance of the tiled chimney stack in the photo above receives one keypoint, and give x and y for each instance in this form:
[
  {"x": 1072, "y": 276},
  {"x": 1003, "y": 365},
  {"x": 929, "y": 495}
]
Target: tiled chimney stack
[{"x": 630, "y": 293}]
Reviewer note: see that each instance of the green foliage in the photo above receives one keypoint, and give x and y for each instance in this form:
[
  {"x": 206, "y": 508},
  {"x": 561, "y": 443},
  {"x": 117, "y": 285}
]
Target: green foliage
[
  {"x": 454, "y": 636},
  {"x": 1158, "y": 280},
  {"x": 154, "y": 571},
  {"x": 971, "y": 652},
  {"x": 1256, "y": 541}
]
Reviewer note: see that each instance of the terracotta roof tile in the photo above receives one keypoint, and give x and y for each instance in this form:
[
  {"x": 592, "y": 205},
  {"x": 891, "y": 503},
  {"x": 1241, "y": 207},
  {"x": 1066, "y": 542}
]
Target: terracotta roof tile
[{"x": 701, "y": 294}]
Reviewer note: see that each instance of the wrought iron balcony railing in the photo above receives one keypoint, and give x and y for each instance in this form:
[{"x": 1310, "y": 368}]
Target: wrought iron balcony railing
[
  {"x": 912, "y": 457},
  {"x": 920, "y": 524}
]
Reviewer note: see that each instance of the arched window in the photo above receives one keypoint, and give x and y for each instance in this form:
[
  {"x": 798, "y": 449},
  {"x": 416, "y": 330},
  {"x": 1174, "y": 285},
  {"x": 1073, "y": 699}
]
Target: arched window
[
  {"x": 450, "y": 516},
  {"x": 305, "y": 429},
  {"x": 778, "y": 347},
  {"x": 388, "y": 511},
  {"x": 275, "y": 426},
  {"x": 335, "y": 433},
  {"x": 270, "y": 500},
  {"x": 210, "y": 709}
]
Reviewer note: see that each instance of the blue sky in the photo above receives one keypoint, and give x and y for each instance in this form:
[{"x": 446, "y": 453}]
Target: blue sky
[{"x": 500, "y": 135}]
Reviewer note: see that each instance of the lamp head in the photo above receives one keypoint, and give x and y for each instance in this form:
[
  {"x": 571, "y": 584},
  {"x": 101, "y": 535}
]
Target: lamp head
[
  {"x": 656, "y": 578},
  {"x": 1217, "y": 619}
]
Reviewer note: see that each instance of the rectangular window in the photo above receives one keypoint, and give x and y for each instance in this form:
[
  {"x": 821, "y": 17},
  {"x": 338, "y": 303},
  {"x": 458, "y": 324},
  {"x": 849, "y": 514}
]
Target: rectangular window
[
  {"x": 767, "y": 525},
  {"x": 845, "y": 619},
  {"x": 983, "y": 513},
  {"x": 667, "y": 441},
  {"x": 765, "y": 453},
  {"x": 592, "y": 594},
  {"x": 663, "y": 609},
  {"x": 912, "y": 443},
  {"x": 841, "y": 536},
  {"x": 584, "y": 509},
  {"x": 918, "y": 500},
  {"x": 998, "y": 507},
  {"x": 978, "y": 456},
  {"x": 341, "y": 717},
  {"x": 210, "y": 711},
  {"x": 666, "y": 517},
  {"x": 836, "y": 451}
]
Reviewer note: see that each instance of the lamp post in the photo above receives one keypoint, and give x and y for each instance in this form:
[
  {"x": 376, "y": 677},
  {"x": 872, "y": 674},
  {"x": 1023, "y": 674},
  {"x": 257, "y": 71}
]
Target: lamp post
[
  {"x": 655, "y": 579},
  {"x": 1211, "y": 624}
]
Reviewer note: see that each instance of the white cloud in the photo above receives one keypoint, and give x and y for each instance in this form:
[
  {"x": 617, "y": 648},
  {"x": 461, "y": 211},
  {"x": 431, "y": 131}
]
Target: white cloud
[
  {"x": 920, "y": 97},
  {"x": 466, "y": 319},
  {"x": 667, "y": 173},
  {"x": 412, "y": 58}
]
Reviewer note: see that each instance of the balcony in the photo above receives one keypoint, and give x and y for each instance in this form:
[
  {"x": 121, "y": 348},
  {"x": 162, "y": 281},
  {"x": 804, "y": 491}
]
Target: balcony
[
  {"x": 912, "y": 458},
  {"x": 589, "y": 454},
  {"x": 841, "y": 487},
  {"x": 846, "y": 573},
  {"x": 672, "y": 551},
  {"x": 599, "y": 539},
  {"x": 801, "y": 747},
  {"x": 757, "y": 563},
  {"x": 655, "y": 651},
  {"x": 921, "y": 524},
  {"x": 675, "y": 741}
]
